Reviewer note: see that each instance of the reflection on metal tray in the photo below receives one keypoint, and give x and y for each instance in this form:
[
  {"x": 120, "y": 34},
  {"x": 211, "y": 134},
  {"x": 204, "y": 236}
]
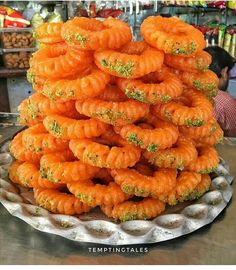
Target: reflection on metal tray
[{"x": 94, "y": 227}]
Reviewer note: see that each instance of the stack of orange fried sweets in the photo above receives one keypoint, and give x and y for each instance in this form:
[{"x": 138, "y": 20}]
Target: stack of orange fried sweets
[{"x": 123, "y": 125}]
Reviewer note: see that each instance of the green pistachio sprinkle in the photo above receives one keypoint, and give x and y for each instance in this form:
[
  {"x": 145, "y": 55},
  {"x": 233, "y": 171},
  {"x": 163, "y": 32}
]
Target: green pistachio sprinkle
[
  {"x": 55, "y": 128},
  {"x": 128, "y": 216},
  {"x": 32, "y": 110},
  {"x": 152, "y": 147},
  {"x": 88, "y": 199},
  {"x": 208, "y": 170},
  {"x": 81, "y": 39},
  {"x": 111, "y": 116},
  {"x": 165, "y": 98},
  {"x": 136, "y": 94},
  {"x": 133, "y": 138},
  {"x": 126, "y": 70},
  {"x": 201, "y": 66},
  {"x": 194, "y": 122}
]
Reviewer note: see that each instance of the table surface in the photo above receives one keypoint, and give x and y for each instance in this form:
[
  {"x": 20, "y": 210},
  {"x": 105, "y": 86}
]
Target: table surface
[{"x": 212, "y": 244}]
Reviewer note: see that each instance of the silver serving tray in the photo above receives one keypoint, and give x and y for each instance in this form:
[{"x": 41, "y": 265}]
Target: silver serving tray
[{"x": 94, "y": 227}]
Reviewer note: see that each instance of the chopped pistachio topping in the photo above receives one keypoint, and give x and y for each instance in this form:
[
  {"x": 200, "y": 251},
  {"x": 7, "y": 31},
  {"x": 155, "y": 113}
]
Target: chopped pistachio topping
[
  {"x": 133, "y": 138},
  {"x": 81, "y": 39},
  {"x": 126, "y": 70},
  {"x": 127, "y": 189},
  {"x": 210, "y": 88},
  {"x": 165, "y": 98},
  {"x": 137, "y": 94},
  {"x": 32, "y": 110},
  {"x": 88, "y": 199},
  {"x": 194, "y": 122},
  {"x": 208, "y": 170},
  {"x": 111, "y": 116},
  {"x": 55, "y": 128},
  {"x": 152, "y": 147},
  {"x": 128, "y": 216},
  {"x": 201, "y": 66},
  {"x": 192, "y": 47}
]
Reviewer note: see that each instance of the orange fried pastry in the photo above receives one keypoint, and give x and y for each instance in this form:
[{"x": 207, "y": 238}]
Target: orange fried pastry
[
  {"x": 129, "y": 65},
  {"x": 148, "y": 208},
  {"x": 59, "y": 202},
  {"x": 62, "y": 167},
  {"x": 115, "y": 155},
  {"x": 68, "y": 129},
  {"x": 195, "y": 113},
  {"x": 160, "y": 135},
  {"x": 134, "y": 183},
  {"x": 91, "y": 34},
  {"x": 59, "y": 61},
  {"x": 112, "y": 93},
  {"x": 215, "y": 137},
  {"x": 37, "y": 139},
  {"x": 89, "y": 84},
  {"x": 206, "y": 162},
  {"x": 185, "y": 186},
  {"x": 206, "y": 82},
  {"x": 201, "y": 188},
  {"x": 49, "y": 33},
  {"x": 94, "y": 194},
  {"x": 199, "y": 132},
  {"x": 161, "y": 87},
  {"x": 178, "y": 156},
  {"x": 196, "y": 63},
  {"x": 113, "y": 113},
  {"x": 172, "y": 35},
  {"x": 28, "y": 176},
  {"x": 12, "y": 171},
  {"x": 36, "y": 107},
  {"x": 20, "y": 152}
]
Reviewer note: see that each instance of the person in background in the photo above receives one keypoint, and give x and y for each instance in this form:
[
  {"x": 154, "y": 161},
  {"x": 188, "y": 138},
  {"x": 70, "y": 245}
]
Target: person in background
[{"x": 225, "y": 105}]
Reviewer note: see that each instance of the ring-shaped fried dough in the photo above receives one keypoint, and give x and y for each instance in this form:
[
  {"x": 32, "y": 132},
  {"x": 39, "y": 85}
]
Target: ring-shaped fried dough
[
  {"x": 62, "y": 167},
  {"x": 91, "y": 34},
  {"x": 37, "y": 139},
  {"x": 96, "y": 154},
  {"x": 148, "y": 208},
  {"x": 196, "y": 63},
  {"x": 128, "y": 65},
  {"x": 185, "y": 186},
  {"x": 59, "y": 61},
  {"x": 20, "y": 152},
  {"x": 134, "y": 183},
  {"x": 172, "y": 35},
  {"x": 96, "y": 194},
  {"x": 206, "y": 162},
  {"x": 194, "y": 114},
  {"x": 113, "y": 113},
  {"x": 163, "y": 134},
  {"x": 199, "y": 132},
  {"x": 206, "y": 82},
  {"x": 67, "y": 128},
  {"x": 177, "y": 157},
  {"x": 49, "y": 33},
  {"x": 36, "y": 107},
  {"x": 90, "y": 84},
  {"x": 59, "y": 202},
  {"x": 163, "y": 87}
]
